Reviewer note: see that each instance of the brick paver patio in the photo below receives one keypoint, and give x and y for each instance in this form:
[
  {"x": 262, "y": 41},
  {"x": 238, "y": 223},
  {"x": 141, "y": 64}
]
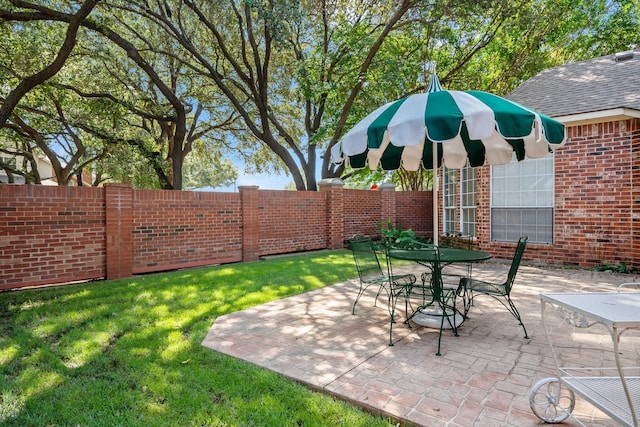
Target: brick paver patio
[{"x": 483, "y": 377}]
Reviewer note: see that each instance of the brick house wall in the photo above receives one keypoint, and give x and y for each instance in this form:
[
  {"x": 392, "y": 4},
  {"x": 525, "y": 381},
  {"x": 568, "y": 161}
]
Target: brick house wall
[
  {"x": 595, "y": 183},
  {"x": 597, "y": 200}
]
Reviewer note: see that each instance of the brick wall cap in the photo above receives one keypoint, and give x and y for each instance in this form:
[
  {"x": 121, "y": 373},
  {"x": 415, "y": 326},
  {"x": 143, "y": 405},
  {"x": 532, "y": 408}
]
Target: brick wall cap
[
  {"x": 387, "y": 186},
  {"x": 331, "y": 182},
  {"x": 117, "y": 184}
]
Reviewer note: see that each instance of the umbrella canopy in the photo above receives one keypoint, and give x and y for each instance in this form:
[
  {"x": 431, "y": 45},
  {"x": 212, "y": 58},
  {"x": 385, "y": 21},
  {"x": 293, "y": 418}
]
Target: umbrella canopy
[{"x": 453, "y": 127}]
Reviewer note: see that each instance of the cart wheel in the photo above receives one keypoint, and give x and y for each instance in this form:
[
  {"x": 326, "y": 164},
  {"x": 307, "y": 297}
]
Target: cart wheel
[{"x": 551, "y": 402}]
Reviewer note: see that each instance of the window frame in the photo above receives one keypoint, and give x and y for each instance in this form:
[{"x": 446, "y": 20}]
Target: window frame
[
  {"x": 455, "y": 212},
  {"x": 467, "y": 208},
  {"x": 449, "y": 210},
  {"x": 533, "y": 213}
]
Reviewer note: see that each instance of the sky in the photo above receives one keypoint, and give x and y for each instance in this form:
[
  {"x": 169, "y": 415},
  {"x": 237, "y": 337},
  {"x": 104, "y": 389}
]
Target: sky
[{"x": 264, "y": 181}]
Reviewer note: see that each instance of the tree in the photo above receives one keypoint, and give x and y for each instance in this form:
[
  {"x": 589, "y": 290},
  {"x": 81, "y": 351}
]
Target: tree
[
  {"x": 298, "y": 74},
  {"x": 254, "y": 61},
  {"x": 18, "y": 159},
  {"x": 39, "y": 133},
  {"x": 166, "y": 114},
  {"x": 498, "y": 55},
  {"x": 204, "y": 170},
  {"x": 285, "y": 79},
  {"x": 29, "y": 82}
]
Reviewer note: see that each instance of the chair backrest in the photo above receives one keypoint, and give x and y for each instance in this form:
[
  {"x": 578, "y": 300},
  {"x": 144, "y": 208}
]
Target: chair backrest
[
  {"x": 365, "y": 257},
  {"x": 431, "y": 253},
  {"x": 436, "y": 272},
  {"x": 515, "y": 263}
]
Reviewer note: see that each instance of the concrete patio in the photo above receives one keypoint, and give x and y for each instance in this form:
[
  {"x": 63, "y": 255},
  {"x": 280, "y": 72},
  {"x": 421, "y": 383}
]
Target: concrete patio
[{"x": 483, "y": 377}]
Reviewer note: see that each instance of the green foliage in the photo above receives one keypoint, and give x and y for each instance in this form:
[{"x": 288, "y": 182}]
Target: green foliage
[
  {"x": 614, "y": 268},
  {"x": 127, "y": 165},
  {"x": 399, "y": 237},
  {"x": 363, "y": 179},
  {"x": 281, "y": 82},
  {"x": 128, "y": 352},
  {"x": 201, "y": 169}
]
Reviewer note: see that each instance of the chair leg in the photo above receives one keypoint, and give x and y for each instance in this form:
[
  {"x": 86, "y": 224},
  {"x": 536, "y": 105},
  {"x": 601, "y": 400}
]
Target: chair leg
[
  {"x": 454, "y": 310},
  {"x": 392, "y": 311},
  {"x": 516, "y": 314},
  {"x": 381, "y": 288},
  {"x": 445, "y": 307},
  {"x": 440, "y": 333},
  {"x": 467, "y": 301},
  {"x": 375, "y": 301},
  {"x": 360, "y": 292}
]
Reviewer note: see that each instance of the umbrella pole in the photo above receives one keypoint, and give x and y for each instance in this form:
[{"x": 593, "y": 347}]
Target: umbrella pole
[{"x": 435, "y": 193}]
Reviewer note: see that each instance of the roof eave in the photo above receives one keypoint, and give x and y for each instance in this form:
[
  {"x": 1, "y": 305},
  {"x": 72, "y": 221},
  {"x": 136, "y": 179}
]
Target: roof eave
[{"x": 610, "y": 115}]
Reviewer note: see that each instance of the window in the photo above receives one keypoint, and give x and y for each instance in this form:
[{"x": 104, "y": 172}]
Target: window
[
  {"x": 522, "y": 200},
  {"x": 10, "y": 161},
  {"x": 468, "y": 201},
  {"x": 449, "y": 201},
  {"x": 466, "y": 224}
]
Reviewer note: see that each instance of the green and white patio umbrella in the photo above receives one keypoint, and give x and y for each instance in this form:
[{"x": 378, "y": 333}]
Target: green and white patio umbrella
[{"x": 450, "y": 127}]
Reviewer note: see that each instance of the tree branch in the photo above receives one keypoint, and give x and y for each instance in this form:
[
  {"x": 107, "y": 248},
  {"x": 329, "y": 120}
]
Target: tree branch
[{"x": 30, "y": 82}]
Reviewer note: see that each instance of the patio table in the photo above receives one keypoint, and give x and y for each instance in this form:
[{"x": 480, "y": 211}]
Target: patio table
[{"x": 447, "y": 256}]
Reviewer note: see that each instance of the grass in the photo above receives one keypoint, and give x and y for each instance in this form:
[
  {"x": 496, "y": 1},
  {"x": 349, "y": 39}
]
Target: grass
[{"x": 128, "y": 353}]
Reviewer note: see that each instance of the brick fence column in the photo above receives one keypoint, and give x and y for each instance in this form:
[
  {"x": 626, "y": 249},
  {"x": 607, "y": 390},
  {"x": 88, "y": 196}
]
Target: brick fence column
[
  {"x": 335, "y": 211},
  {"x": 388, "y": 202},
  {"x": 119, "y": 230},
  {"x": 249, "y": 201}
]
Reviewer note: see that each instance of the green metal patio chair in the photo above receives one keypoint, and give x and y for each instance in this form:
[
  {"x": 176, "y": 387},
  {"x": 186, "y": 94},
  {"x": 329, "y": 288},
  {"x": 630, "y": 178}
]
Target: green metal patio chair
[
  {"x": 499, "y": 291},
  {"x": 371, "y": 273},
  {"x": 400, "y": 286},
  {"x": 368, "y": 267}
]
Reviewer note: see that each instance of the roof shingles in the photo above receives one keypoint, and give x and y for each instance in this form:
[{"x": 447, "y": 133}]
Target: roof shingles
[{"x": 583, "y": 87}]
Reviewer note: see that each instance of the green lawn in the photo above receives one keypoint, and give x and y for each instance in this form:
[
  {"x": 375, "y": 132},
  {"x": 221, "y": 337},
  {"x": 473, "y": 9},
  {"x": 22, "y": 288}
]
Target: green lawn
[{"x": 127, "y": 352}]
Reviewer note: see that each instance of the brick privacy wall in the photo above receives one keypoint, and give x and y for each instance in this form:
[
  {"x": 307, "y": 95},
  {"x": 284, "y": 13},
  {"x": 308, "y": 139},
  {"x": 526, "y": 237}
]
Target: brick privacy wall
[
  {"x": 51, "y": 234},
  {"x": 119, "y": 230},
  {"x": 54, "y": 234},
  {"x": 58, "y": 234},
  {"x": 362, "y": 212},
  {"x": 414, "y": 210},
  {"x": 291, "y": 223},
  {"x": 178, "y": 229}
]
